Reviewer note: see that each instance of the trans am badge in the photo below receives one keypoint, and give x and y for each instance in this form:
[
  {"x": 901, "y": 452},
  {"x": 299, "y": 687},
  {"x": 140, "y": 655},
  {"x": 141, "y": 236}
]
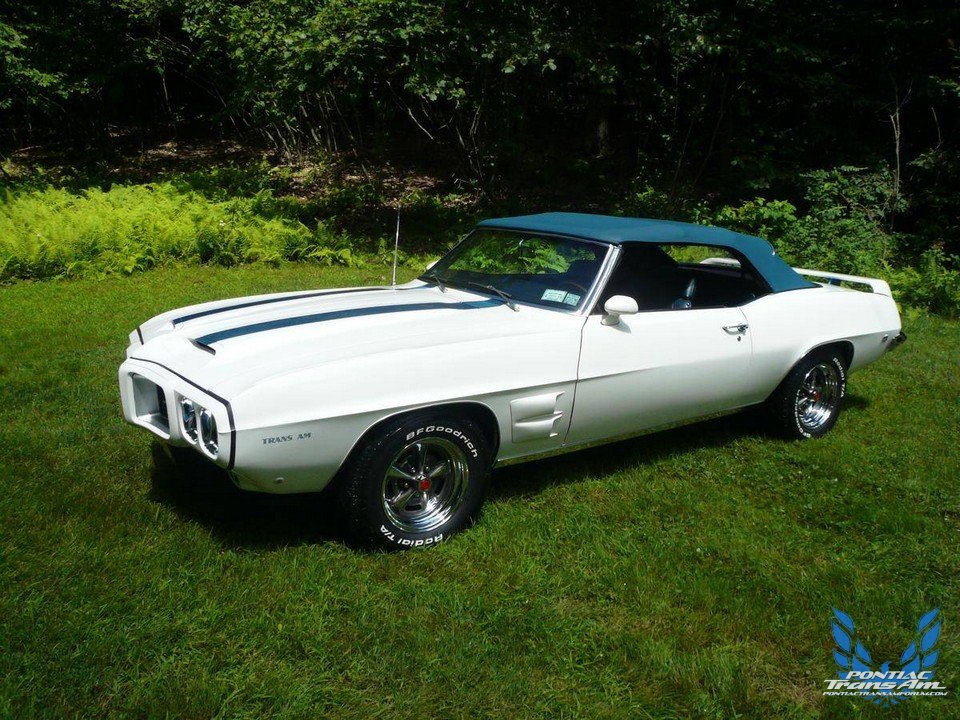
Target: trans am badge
[{"x": 857, "y": 677}]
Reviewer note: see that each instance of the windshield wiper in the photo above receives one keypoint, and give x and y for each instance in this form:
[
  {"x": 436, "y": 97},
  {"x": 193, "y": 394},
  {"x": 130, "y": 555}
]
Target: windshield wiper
[
  {"x": 441, "y": 283},
  {"x": 505, "y": 296}
]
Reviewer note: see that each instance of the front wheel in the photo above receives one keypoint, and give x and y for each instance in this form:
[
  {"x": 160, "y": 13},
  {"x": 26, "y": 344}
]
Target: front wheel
[
  {"x": 807, "y": 403},
  {"x": 415, "y": 482}
]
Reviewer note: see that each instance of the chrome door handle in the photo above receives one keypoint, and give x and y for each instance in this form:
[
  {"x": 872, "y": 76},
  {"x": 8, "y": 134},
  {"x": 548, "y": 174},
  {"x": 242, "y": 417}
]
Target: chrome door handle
[{"x": 735, "y": 329}]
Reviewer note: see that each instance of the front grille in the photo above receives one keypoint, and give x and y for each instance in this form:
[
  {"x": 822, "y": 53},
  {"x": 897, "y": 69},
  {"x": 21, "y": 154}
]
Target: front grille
[{"x": 150, "y": 403}]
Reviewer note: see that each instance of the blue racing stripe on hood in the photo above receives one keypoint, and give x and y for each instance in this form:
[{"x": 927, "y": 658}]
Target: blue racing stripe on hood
[{"x": 339, "y": 315}]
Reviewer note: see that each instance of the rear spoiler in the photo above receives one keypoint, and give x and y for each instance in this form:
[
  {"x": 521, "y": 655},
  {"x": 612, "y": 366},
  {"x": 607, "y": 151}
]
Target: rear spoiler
[{"x": 880, "y": 287}]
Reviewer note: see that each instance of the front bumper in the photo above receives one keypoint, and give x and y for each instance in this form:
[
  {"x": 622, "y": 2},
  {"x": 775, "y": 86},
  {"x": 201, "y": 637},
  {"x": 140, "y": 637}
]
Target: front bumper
[{"x": 150, "y": 394}]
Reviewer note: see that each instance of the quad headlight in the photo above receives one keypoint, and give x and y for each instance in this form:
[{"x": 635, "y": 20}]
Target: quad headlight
[
  {"x": 199, "y": 427},
  {"x": 208, "y": 432},
  {"x": 188, "y": 417}
]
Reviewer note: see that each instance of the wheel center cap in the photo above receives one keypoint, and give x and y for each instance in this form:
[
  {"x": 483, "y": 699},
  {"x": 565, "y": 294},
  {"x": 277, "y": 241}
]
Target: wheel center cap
[{"x": 424, "y": 484}]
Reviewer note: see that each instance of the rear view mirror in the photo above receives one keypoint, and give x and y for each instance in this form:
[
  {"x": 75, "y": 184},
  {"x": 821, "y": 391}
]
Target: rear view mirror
[{"x": 616, "y": 306}]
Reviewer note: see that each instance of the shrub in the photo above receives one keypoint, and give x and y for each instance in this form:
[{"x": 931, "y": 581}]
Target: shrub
[
  {"x": 846, "y": 229},
  {"x": 49, "y": 232},
  {"x": 775, "y": 220},
  {"x": 843, "y": 229},
  {"x": 931, "y": 284}
]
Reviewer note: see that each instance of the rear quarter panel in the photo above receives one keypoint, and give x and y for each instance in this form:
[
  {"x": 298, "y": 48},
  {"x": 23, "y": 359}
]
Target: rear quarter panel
[{"x": 786, "y": 326}]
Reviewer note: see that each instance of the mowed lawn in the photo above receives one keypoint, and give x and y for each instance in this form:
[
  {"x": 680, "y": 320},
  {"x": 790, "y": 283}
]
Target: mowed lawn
[{"x": 685, "y": 574}]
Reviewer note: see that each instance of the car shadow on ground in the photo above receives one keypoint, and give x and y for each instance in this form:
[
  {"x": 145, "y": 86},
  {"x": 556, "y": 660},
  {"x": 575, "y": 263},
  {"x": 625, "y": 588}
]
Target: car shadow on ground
[
  {"x": 198, "y": 491},
  {"x": 530, "y": 478}
]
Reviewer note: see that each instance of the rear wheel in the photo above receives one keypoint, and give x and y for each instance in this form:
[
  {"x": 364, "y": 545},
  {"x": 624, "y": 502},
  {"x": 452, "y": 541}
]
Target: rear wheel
[
  {"x": 415, "y": 482},
  {"x": 807, "y": 403}
]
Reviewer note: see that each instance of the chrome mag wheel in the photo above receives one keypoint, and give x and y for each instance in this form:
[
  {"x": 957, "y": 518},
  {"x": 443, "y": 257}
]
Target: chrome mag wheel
[
  {"x": 818, "y": 396},
  {"x": 425, "y": 484}
]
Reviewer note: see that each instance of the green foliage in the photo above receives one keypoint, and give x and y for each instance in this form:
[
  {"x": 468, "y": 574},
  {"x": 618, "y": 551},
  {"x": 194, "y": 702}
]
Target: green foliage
[
  {"x": 697, "y": 101},
  {"x": 846, "y": 229},
  {"x": 63, "y": 58},
  {"x": 934, "y": 179},
  {"x": 647, "y": 199},
  {"x": 748, "y": 97},
  {"x": 51, "y": 232},
  {"x": 230, "y": 216},
  {"x": 933, "y": 283},
  {"x": 429, "y": 223},
  {"x": 770, "y": 219},
  {"x": 842, "y": 230},
  {"x": 18, "y": 76},
  {"x": 227, "y": 181}
]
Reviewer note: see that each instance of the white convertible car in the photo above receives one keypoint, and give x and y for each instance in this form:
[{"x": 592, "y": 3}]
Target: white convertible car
[{"x": 534, "y": 335}]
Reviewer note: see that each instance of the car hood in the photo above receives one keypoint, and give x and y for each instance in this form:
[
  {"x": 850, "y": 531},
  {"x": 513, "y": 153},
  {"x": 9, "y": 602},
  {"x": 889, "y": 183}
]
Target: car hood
[{"x": 229, "y": 346}]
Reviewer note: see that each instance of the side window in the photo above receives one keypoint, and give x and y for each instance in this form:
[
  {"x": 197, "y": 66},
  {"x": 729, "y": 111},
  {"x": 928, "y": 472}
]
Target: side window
[{"x": 683, "y": 277}]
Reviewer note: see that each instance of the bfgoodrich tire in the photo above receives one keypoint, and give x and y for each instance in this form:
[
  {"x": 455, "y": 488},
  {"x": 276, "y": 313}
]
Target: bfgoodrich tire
[
  {"x": 807, "y": 403},
  {"x": 415, "y": 482}
]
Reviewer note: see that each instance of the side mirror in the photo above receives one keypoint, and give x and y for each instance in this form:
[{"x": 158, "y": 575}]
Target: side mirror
[
  {"x": 431, "y": 264},
  {"x": 616, "y": 306}
]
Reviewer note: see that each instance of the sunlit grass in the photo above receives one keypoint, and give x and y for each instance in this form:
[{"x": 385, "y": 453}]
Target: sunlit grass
[{"x": 686, "y": 574}]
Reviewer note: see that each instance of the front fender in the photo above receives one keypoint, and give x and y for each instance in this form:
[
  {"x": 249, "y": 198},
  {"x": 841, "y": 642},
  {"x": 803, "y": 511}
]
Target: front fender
[{"x": 309, "y": 419}]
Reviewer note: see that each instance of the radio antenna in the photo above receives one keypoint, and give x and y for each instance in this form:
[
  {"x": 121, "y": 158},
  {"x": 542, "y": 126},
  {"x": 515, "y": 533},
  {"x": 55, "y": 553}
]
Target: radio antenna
[{"x": 396, "y": 249}]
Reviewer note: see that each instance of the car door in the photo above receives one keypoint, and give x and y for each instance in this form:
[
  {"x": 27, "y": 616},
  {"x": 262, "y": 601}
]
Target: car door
[{"x": 658, "y": 368}]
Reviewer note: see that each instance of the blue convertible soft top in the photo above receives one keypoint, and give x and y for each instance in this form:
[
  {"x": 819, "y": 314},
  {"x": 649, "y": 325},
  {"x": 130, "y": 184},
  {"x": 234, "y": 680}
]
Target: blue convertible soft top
[{"x": 619, "y": 230}]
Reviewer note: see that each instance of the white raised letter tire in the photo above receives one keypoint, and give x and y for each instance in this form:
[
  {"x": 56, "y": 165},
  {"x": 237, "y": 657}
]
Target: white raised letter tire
[
  {"x": 807, "y": 403},
  {"x": 415, "y": 481}
]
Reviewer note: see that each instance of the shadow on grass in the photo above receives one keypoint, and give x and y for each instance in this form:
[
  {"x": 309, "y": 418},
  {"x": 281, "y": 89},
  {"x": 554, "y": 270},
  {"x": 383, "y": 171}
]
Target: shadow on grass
[
  {"x": 199, "y": 491},
  {"x": 854, "y": 403},
  {"x": 530, "y": 478}
]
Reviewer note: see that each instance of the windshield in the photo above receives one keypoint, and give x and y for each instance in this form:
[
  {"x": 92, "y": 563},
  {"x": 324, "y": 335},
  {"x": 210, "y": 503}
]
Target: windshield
[{"x": 537, "y": 269}]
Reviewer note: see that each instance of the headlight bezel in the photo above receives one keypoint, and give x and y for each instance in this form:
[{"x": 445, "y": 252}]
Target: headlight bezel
[
  {"x": 189, "y": 425},
  {"x": 199, "y": 426},
  {"x": 208, "y": 432}
]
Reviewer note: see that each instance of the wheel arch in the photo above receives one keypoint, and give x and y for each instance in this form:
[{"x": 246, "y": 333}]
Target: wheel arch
[
  {"x": 476, "y": 411},
  {"x": 844, "y": 347}
]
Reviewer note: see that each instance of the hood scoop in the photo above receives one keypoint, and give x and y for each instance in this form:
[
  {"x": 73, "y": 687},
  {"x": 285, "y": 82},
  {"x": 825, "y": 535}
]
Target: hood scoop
[{"x": 202, "y": 346}]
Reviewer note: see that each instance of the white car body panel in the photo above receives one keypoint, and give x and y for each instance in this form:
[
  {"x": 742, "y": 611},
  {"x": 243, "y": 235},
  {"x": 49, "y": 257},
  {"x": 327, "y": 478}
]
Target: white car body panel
[
  {"x": 325, "y": 384},
  {"x": 662, "y": 357},
  {"x": 291, "y": 402}
]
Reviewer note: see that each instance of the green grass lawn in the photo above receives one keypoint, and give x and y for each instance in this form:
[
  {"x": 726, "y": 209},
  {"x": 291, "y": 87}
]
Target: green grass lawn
[{"x": 685, "y": 574}]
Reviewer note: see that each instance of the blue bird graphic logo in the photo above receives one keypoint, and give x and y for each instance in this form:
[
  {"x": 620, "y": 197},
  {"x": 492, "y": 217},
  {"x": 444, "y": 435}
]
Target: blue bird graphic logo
[{"x": 920, "y": 655}]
